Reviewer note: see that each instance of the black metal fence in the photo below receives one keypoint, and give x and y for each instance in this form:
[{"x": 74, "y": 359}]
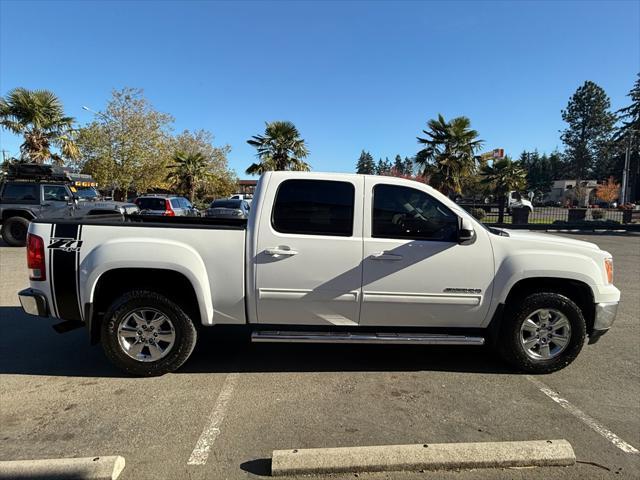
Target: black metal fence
[{"x": 554, "y": 216}]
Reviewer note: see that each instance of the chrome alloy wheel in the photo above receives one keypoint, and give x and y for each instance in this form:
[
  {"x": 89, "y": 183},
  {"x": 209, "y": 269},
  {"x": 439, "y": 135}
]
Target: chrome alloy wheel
[
  {"x": 146, "y": 335},
  {"x": 545, "y": 334}
]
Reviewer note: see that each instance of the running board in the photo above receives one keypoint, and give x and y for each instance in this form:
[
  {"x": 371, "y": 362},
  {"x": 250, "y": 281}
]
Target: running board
[{"x": 347, "y": 337}]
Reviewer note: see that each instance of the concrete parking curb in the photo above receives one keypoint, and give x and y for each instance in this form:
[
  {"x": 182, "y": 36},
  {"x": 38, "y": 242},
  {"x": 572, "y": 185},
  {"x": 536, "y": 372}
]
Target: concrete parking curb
[
  {"x": 89, "y": 468},
  {"x": 438, "y": 456}
]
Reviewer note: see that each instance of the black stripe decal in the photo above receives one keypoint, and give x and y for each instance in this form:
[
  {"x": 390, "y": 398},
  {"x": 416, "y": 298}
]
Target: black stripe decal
[
  {"x": 65, "y": 280},
  {"x": 54, "y": 310},
  {"x": 78, "y": 275}
]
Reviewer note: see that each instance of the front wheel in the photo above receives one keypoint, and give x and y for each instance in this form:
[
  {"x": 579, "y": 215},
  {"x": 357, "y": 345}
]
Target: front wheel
[
  {"x": 544, "y": 333},
  {"x": 144, "y": 333}
]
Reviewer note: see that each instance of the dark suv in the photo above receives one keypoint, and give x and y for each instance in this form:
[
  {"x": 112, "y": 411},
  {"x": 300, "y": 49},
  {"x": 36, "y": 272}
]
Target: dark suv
[
  {"x": 166, "y": 205},
  {"x": 26, "y": 198}
]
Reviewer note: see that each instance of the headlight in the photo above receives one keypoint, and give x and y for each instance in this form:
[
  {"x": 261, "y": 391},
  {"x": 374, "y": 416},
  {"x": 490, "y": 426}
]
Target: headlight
[{"x": 608, "y": 267}]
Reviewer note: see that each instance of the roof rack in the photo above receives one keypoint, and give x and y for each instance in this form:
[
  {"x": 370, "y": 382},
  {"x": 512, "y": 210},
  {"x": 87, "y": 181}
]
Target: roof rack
[{"x": 35, "y": 172}]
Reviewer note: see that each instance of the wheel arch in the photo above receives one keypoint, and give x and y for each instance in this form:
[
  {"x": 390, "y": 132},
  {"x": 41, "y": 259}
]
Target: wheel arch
[
  {"x": 577, "y": 291},
  {"x": 9, "y": 213},
  {"x": 113, "y": 283}
]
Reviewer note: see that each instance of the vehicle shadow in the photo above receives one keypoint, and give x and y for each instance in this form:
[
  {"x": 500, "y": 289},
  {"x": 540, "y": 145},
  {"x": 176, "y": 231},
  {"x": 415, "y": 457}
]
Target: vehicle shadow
[
  {"x": 233, "y": 352},
  {"x": 29, "y": 346}
]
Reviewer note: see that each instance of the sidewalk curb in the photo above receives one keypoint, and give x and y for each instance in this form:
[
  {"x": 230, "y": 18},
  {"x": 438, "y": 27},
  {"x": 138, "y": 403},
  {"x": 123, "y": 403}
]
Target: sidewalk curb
[
  {"x": 437, "y": 456},
  {"x": 88, "y": 468}
]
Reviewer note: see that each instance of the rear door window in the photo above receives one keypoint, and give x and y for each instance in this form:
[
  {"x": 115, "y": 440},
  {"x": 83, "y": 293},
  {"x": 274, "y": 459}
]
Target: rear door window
[
  {"x": 21, "y": 193},
  {"x": 314, "y": 207},
  {"x": 176, "y": 203}
]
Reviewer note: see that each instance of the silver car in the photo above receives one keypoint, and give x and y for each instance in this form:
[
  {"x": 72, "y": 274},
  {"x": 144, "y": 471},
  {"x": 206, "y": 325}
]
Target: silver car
[{"x": 228, "y": 208}]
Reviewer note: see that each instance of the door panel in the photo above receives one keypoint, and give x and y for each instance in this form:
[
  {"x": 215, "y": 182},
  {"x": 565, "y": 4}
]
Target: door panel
[
  {"x": 308, "y": 261},
  {"x": 421, "y": 281}
]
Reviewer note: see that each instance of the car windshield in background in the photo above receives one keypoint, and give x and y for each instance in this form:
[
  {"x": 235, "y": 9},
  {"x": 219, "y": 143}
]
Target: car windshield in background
[
  {"x": 87, "y": 193},
  {"x": 226, "y": 204},
  {"x": 151, "y": 203}
]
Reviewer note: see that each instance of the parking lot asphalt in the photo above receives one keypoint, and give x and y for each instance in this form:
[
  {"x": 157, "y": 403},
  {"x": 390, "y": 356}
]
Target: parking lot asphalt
[{"x": 59, "y": 397}]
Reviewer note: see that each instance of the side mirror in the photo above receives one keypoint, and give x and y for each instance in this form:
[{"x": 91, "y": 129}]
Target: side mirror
[{"x": 466, "y": 232}]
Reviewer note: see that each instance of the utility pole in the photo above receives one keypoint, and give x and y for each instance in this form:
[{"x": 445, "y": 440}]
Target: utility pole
[{"x": 627, "y": 164}]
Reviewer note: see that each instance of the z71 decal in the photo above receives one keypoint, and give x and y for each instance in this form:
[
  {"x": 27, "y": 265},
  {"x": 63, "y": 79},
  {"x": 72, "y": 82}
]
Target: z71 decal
[{"x": 65, "y": 244}]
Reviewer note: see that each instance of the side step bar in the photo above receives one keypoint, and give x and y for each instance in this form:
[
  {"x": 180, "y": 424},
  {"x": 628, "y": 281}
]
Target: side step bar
[{"x": 348, "y": 337}]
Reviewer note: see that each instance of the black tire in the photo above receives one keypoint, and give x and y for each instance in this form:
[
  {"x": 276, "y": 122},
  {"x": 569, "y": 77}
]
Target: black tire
[
  {"x": 185, "y": 333},
  {"x": 14, "y": 231},
  {"x": 510, "y": 344}
]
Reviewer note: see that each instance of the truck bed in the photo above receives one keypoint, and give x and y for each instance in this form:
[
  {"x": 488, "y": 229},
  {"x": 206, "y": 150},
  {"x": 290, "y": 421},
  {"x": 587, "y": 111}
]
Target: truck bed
[{"x": 209, "y": 253}]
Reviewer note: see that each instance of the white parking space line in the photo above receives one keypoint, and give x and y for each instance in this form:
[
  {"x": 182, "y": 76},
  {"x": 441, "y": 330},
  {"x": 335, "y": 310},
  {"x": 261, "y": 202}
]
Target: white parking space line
[
  {"x": 212, "y": 429},
  {"x": 589, "y": 421}
]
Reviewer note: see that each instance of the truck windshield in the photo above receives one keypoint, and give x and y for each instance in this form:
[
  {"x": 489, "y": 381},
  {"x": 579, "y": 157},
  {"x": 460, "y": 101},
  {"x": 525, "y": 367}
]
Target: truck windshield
[{"x": 87, "y": 193}]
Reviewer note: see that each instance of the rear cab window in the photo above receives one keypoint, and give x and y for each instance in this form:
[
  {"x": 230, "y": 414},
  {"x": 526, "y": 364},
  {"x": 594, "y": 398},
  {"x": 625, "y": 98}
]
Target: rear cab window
[
  {"x": 314, "y": 207},
  {"x": 27, "y": 193}
]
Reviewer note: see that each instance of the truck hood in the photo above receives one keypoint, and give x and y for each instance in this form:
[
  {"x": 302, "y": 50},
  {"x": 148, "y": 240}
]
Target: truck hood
[{"x": 551, "y": 239}]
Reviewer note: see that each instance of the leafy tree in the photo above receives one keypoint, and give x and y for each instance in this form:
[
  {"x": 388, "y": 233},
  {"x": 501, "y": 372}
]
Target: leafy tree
[
  {"x": 128, "y": 146},
  {"x": 383, "y": 167},
  {"x": 448, "y": 153},
  {"x": 220, "y": 181},
  {"x": 39, "y": 117},
  {"x": 589, "y": 129},
  {"x": 608, "y": 191},
  {"x": 188, "y": 171},
  {"x": 366, "y": 165},
  {"x": 279, "y": 148},
  {"x": 503, "y": 176}
]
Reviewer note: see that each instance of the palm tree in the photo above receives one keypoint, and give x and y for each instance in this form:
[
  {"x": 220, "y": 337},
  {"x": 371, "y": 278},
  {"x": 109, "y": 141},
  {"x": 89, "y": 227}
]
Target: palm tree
[
  {"x": 188, "y": 171},
  {"x": 38, "y": 116},
  {"x": 280, "y": 148},
  {"x": 448, "y": 155},
  {"x": 503, "y": 176}
]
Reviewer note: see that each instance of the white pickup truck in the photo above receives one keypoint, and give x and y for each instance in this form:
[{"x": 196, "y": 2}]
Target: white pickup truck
[{"x": 335, "y": 258}]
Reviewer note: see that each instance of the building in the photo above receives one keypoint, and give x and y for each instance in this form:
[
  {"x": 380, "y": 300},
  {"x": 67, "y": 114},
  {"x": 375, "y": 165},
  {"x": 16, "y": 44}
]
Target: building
[
  {"x": 564, "y": 192},
  {"x": 247, "y": 187}
]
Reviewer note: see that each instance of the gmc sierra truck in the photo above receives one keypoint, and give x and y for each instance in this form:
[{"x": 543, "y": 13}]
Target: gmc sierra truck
[{"x": 334, "y": 258}]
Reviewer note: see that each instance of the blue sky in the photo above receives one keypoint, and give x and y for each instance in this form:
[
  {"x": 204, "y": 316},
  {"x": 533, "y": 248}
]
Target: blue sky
[{"x": 350, "y": 75}]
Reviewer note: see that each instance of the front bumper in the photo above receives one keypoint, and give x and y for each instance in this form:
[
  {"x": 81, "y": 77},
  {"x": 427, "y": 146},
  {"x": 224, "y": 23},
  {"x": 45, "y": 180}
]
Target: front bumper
[
  {"x": 34, "y": 302},
  {"x": 605, "y": 315}
]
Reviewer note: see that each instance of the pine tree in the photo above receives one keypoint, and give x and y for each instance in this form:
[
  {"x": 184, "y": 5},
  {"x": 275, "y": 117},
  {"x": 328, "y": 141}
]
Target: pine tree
[
  {"x": 408, "y": 166},
  {"x": 590, "y": 126},
  {"x": 365, "y": 164},
  {"x": 383, "y": 167},
  {"x": 398, "y": 165}
]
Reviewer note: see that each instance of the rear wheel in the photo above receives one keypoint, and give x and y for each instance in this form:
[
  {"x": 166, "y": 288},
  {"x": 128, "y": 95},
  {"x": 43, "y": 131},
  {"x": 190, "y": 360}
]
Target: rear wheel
[
  {"x": 543, "y": 333},
  {"x": 145, "y": 333},
  {"x": 14, "y": 231}
]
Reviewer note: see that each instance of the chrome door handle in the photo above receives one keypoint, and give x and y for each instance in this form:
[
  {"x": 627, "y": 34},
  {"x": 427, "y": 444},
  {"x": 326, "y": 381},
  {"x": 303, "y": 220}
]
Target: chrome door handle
[
  {"x": 385, "y": 256},
  {"x": 275, "y": 252}
]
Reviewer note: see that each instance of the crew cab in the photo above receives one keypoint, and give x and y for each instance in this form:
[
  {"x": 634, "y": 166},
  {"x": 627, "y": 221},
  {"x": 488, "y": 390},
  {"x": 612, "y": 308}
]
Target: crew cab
[{"x": 323, "y": 257}]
